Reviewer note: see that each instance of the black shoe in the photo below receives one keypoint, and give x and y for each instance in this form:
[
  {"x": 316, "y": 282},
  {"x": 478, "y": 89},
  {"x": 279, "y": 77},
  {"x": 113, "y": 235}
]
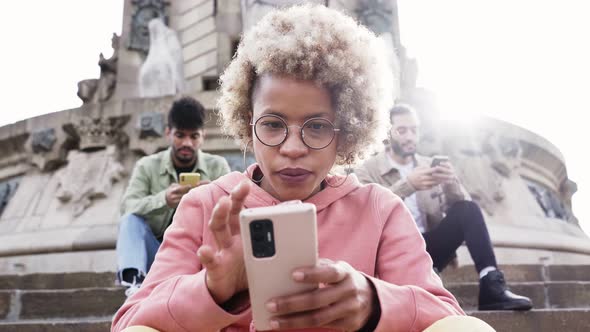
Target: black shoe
[{"x": 494, "y": 295}]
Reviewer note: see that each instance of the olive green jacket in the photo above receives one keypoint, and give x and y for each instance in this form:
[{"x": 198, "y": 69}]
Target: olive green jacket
[{"x": 146, "y": 193}]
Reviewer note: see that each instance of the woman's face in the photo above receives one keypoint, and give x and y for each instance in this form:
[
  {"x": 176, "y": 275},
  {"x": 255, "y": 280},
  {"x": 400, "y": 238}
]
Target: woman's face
[{"x": 292, "y": 170}]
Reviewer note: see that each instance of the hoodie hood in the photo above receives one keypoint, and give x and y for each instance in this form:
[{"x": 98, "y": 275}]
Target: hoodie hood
[{"x": 339, "y": 187}]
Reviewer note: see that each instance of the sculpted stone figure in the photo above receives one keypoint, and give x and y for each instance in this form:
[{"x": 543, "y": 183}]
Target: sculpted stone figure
[
  {"x": 162, "y": 73},
  {"x": 100, "y": 90}
]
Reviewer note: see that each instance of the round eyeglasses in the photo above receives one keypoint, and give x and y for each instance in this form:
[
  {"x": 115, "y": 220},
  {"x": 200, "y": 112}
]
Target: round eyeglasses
[{"x": 316, "y": 133}]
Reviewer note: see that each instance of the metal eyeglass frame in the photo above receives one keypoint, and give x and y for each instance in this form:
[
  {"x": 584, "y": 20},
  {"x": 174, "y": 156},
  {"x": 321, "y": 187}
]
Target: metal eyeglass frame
[{"x": 301, "y": 132}]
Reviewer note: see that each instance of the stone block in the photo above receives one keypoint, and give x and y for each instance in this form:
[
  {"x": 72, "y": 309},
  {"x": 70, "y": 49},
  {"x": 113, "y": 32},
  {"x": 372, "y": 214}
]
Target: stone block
[
  {"x": 5, "y": 298},
  {"x": 197, "y": 31},
  {"x": 97, "y": 302},
  {"x": 57, "y": 280},
  {"x": 537, "y": 320},
  {"x": 569, "y": 294},
  {"x": 512, "y": 273},
  {"x": 569, "y": 272},
  {"x": 198, "y": 47},
  {"x": 182, "y": 6},
  {"x": 195, "y": 15},
  {"x": 200, "y": 64}
]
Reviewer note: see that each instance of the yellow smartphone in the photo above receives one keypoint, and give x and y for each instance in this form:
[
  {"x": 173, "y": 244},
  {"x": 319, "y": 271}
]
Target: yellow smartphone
[{"x": 191, "y": 179}]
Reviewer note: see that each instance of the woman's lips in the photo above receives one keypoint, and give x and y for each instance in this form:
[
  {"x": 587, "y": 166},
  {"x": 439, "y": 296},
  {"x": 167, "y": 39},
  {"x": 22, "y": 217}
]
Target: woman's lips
[{"x": 294, "y": 175}]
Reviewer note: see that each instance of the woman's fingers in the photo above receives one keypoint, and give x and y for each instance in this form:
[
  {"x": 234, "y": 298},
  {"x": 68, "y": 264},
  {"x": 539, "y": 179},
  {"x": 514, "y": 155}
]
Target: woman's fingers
[
  {"x": 206, "y": 256},
  {"x": 219, "y": 223},
  {"x": 327, "y": 316},
  {"x": 327, "y": 272},
  {"x": 237, "y": 196},
  {"x": 316, "y": 299}
]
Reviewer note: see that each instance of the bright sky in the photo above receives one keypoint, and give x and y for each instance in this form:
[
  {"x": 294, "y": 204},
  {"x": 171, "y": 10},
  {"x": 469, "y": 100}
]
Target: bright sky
[{"x": 523, "y": 61}]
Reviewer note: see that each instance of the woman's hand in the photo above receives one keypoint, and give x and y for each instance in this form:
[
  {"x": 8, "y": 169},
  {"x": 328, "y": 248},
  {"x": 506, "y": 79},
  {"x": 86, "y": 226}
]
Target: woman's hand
[
  {"x": 344, "y": 301},
  {"x": 226, "y": 274}
]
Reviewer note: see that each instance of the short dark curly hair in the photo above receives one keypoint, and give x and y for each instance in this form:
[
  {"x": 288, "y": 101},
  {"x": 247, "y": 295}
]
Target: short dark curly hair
[{"x": 186, "y": 113}]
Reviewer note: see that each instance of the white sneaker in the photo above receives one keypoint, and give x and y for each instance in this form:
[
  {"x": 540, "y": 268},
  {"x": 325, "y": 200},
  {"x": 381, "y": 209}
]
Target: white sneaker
[{"x": 132, "y": 287}]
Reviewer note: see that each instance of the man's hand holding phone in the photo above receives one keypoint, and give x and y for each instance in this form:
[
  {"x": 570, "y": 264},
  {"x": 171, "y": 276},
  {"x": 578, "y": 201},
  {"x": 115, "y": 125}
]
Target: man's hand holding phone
[
  {"x": 422, "y": 178},
  {"x": 174, "y": 193},
  {"x": 345, "y": 302},
  {"x": 226, "y": 274},
  {"x": 443, "y": 171},
  {"x": 176, "y": 190}
]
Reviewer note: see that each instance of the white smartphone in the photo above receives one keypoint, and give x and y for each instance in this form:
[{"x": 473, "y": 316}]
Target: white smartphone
[
  {"x": 437, "y": 160},
  {"x": 277, "y": 240}
]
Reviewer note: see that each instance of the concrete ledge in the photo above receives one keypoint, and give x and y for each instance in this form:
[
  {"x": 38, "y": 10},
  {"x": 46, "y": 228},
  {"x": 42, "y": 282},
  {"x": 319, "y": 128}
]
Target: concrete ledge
[
  {"x": 93, "y": 237},
  {"x": 66, "y": 262}
]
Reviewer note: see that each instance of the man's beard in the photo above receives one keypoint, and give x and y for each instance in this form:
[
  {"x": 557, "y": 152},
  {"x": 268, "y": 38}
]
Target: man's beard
[
  {"x": 183, "y": 159},
  {"x": 399, "y": 150}
]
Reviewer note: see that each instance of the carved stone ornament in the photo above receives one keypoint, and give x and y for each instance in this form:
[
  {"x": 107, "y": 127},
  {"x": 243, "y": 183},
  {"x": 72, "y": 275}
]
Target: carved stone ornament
[
  {"x": 151, "y": 125},
  {"x": 145, "y": 11},
  {"x": 548, "y": 201},
  {"x": 7, "y": 190},
  {"x": 88, "y": 176},
  {"x": 43, "y": 140},
  {"x": 97, "y": 133}
]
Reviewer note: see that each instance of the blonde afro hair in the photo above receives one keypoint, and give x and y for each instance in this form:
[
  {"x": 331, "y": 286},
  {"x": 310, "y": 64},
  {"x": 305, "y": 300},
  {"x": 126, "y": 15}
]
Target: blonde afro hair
[{"x": 327, "y": 47}]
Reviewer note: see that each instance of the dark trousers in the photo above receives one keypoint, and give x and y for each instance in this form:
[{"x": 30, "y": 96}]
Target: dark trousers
[{"x": 463, "y": 223}]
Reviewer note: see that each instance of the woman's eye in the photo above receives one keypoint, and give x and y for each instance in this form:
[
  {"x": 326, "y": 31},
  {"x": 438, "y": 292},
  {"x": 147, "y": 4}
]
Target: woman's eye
[{"x": 272, "y": 124}]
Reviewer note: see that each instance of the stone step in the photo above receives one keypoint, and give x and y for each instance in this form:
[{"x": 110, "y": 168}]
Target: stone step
[
  {"x": 546, "y": 320},
  {"x": 87, "y": 325},
  {"x": 522, "y": 273},
  {"x": 60, "y": 304},
  {"x": 549, "y": 295},
  {"x": 57, "y": 280}
]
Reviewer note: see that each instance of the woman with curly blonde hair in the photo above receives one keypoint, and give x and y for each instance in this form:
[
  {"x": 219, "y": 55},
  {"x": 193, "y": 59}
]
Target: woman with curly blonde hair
[{"x": 306, "y": 91}]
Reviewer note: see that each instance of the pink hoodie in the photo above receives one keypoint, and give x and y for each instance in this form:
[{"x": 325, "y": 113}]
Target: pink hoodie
[{"x": 364, "y": 225}]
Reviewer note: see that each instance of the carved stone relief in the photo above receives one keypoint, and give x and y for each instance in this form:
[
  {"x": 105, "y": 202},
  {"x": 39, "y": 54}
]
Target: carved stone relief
[
  {"x": 488, "y": 165},
  {"x": 548, "y": 201},
  {"x": 98, "y": 133},
  {"x": 49, "y": 147},
  {"x": 146, "y": 131},
  {"x": 12, "y": 149},
  {"x": 145, "y": 11},
  {"x": 88, "y": 176},
  {"x": 151, "y": 125},
  {"x": 7, "y": 190},
  {"x": 43, "y": 140}
]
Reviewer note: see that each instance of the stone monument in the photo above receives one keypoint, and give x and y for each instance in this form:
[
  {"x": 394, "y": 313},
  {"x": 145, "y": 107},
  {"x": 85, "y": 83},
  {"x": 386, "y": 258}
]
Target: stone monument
[{"x": 62, "y": 175}]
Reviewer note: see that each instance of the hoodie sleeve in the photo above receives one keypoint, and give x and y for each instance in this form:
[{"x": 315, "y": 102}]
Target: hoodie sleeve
[
  {"x": 174, "y": 296},
  {"x": 411, "y": 295}
]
